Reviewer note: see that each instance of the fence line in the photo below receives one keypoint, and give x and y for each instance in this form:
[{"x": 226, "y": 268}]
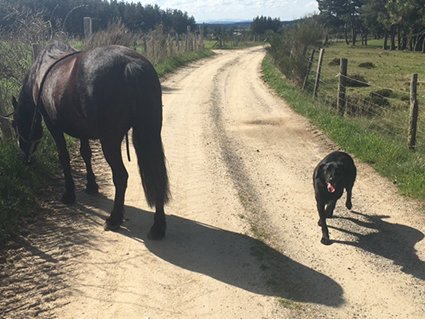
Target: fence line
[{"x": 382, "y": 113}]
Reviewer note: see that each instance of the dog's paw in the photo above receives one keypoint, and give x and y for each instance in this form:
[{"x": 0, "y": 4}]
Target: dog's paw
[{"x": 349, "y": 205}]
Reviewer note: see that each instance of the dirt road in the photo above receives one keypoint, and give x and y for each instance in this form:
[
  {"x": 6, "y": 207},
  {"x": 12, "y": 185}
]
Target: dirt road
[{"x": 242, "y": 240}]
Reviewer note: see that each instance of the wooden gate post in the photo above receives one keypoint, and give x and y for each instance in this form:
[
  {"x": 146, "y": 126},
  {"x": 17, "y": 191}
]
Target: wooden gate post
[
  {"x": 341, "y": 87},
  {"x": 413, "y": 112},
  {"x": 319, "y": 70}
]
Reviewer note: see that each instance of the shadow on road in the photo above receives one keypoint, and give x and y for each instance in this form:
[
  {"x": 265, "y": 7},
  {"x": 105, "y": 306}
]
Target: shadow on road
[
  {"x": 392, "y": 241},
  {"x": 233, "y": 258}
]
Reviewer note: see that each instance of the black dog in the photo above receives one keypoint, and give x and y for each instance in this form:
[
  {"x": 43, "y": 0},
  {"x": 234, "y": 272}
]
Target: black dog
[{"x": 334, "y": 173}]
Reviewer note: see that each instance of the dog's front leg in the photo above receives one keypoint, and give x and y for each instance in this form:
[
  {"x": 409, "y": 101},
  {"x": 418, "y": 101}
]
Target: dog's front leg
[
  {"x": 348, "y": 203},
  {"x": 322, "y": 223},
  {"x": 329, "y": 211}
]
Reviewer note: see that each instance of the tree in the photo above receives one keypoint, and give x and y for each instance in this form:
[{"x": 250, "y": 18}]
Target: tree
[
  {"x": 342, "y": 10},
  {"x": 261, "y": 24}
]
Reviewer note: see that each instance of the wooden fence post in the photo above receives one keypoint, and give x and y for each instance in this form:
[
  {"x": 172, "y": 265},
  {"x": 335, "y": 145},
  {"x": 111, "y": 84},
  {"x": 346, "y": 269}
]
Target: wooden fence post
[
  {"x": 309, "y": 66},
  {"x": 319, "y": 70},
  {"x": 88, "y": 31},
  {"x": 36, "y": 49},
  {"x": 413, "y": 112},
  {"x": 341, "y": 87},
  {"x": 201, "y": 33},
  {"x": 145, "y": 47}
]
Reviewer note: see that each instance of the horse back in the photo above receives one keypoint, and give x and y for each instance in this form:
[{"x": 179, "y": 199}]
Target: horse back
[{"x": 102, "y": 90}]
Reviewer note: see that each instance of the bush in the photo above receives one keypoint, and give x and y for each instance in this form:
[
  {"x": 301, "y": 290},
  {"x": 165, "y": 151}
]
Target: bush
[
  {"x": 115, "y": 34},
  {"x": 290, "y": 49},
  {"x": 366, "y": 106}
]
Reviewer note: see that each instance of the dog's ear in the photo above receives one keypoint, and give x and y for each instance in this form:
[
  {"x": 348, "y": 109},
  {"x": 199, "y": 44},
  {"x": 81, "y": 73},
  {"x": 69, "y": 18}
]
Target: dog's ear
[{"x": 320, "y": 170}]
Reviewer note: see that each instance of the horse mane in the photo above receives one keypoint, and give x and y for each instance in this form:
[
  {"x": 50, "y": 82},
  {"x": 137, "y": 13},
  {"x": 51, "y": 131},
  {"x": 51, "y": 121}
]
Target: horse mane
[
  {"x": 57, "y": 49},
  {"x": 52, "y": 51}
]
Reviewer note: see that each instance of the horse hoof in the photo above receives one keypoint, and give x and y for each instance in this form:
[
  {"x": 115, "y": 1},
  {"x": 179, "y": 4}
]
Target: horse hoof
[
  {"x": 156, "y": 234},
  {"x": 109, "y": 226},
  {"x": 68, "y": 199}
]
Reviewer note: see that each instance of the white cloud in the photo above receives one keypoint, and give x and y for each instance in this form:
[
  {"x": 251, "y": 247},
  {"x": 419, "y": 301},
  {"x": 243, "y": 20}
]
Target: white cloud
[{"x": 204, "y": 10}]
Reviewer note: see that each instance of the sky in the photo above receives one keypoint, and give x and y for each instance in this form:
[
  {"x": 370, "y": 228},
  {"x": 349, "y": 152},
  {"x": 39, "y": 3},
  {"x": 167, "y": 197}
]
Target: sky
[{"x": 238, "y": 10}]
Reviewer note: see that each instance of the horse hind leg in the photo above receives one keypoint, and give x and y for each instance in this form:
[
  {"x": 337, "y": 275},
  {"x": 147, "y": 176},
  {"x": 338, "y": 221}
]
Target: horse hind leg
[
  {"x": 112, "y": 152},
  {"x": 85, "y": 150}
]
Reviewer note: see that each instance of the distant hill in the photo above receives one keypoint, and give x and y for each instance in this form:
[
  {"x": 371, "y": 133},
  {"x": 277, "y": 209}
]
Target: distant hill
[
  {"x": 225, "y": 22},
  {"x": 232, "y": 24},
  {"x": 227, "y": 25}
]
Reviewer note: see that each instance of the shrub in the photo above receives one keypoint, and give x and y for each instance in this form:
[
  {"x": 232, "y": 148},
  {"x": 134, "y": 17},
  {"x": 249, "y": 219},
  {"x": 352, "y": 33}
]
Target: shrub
[
  {"x": 289, "y": 50},
  {"x": 372, "y": 105},
  {"x": 115, "y": 34}
]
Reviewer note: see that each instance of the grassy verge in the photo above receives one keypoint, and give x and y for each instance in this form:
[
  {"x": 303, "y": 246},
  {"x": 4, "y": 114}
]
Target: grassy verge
[
  {"x": 387, "y": 155},
  {"x": 171, "y": 64},
  {"x": 20, "y": 184}
]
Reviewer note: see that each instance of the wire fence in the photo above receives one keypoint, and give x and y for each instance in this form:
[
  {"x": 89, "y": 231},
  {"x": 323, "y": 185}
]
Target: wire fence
[
  {"x": 158, "y": 46},
  {"x": 380, "y": 109}
]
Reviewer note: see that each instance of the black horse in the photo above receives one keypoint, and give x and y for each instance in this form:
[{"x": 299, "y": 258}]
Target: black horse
[{"x": 97, "y": 94}]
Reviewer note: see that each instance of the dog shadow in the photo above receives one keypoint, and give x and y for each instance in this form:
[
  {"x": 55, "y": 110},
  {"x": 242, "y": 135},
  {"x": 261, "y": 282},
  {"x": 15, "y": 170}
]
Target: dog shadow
[
  {"x": 232, "y": 258},
  {"x": 392, "y": 241}
]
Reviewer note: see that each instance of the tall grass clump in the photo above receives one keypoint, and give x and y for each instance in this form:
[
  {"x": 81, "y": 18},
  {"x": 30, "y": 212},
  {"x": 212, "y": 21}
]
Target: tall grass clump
[{"x": 20, "y": 184}]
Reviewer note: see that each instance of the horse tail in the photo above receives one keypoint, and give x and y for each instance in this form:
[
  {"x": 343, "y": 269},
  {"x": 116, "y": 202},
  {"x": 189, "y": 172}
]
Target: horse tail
[{"x": 147, "y": 124}]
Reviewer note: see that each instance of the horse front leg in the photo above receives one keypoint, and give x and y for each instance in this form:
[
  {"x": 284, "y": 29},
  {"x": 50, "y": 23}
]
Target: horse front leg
[
  {"x": 69, "y": 196},
  {"x": 85, "y": 150},
  {"x": 112, "y": 152}
]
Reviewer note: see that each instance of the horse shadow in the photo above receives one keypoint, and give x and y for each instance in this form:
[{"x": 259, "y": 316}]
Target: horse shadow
[
  {"x": 232, "y": 258},
  {"x": 392, "y": 241}
]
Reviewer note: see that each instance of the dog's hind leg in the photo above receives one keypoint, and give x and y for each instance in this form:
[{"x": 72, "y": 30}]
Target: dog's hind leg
[{"x": 322, "y": 223}]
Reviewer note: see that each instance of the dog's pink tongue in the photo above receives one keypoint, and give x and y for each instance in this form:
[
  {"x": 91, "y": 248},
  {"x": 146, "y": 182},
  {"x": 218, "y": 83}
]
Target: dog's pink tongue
[{"x": 331, "y": 189}]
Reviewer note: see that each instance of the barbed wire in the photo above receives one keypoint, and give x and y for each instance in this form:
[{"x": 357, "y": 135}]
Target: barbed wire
[{"x": 386, "y": 113}]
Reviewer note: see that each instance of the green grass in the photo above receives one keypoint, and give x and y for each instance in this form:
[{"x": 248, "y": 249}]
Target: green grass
[
  {"x": 393, "y": 69},
  {"x": 171, "y": 64},
  {"x": 388, "y": 155},
  {"x": 20, "y": 184}
]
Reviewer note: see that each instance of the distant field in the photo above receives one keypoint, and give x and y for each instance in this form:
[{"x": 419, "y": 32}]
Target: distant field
[{"x": 392, "y": 69}]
